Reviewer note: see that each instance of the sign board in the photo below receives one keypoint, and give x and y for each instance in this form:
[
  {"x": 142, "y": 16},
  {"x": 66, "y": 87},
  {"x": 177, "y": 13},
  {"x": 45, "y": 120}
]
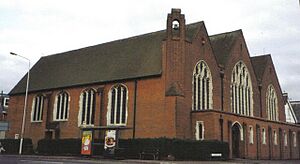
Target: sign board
[
  {"x": 86, "y": 143},
  {"x": 110, "y": 139}
]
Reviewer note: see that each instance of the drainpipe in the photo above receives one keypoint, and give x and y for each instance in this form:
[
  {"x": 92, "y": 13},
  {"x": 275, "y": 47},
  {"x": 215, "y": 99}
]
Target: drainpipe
[
  {"x": 260, "y": 102},
  {"x": 222, "y": 87},
  {"x": 134, "y": 109},
  {"x": 221, "y": 127},
  {"x": 257, "y": 141}
]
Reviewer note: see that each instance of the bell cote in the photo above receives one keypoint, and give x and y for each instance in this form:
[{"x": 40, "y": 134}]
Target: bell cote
[{"x": 176, "y": 25}]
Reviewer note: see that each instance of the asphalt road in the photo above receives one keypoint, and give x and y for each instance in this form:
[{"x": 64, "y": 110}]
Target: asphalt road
[
  {"x": 53, "y": 160},
  {"x": 24, "y": 159}
]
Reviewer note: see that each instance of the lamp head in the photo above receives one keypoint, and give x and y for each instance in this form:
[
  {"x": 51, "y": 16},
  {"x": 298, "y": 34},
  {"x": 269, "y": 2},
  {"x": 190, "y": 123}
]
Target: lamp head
[{"x": 13, "y": 54}]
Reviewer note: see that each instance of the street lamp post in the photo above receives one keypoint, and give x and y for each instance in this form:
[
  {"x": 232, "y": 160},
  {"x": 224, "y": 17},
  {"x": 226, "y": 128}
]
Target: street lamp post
[{"x": 25, "y": 103}]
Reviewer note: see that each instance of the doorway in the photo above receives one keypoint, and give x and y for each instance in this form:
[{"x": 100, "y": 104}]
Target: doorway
[{"x": 236, "y": 137}]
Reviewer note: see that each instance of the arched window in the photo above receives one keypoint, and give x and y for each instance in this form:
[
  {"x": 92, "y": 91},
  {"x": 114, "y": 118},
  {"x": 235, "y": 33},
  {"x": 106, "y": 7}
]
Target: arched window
[
  {"x": 272, "y": 107},
  {"x": 264, "y": 136},
  {"x": 275, "y": 138},
  {"x": 87, "y": 103},
  {"x": 37, "y": 109},
  {"x": 251, "y": 137},
  {"x": 285, "y": 138},
  {"x": 61, "y": 107},
  {"x": 199, "y": 130},
  {"x": 294, "y": 139},
  {"x": 241, "y": 90},
  {"x": 202, "y": 87},
  {"x": 117, "y": 105}
]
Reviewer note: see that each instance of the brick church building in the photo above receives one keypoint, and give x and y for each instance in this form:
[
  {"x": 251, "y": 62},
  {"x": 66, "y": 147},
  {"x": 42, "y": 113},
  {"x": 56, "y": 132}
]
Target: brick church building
[{"x": 175, "y": 83}]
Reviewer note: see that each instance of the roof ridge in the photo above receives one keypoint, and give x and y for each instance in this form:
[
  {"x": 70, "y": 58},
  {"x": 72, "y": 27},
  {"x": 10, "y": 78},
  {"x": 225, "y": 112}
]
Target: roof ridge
[
  {"x": 264, "y": 55},
  {"x": 239, "y": 30}
]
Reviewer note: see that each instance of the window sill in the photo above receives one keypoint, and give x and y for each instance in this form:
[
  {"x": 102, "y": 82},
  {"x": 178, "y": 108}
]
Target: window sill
[
  {"x": 60, "y": 120},
  {"x": 86, "y": 126},
  {"x": 116, "y": 124},
  {"x": 36, "y": 121}
]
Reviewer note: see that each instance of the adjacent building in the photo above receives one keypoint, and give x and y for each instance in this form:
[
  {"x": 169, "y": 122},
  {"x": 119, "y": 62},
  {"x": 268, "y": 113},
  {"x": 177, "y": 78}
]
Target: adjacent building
[
  {"x": 4, "y": 99},
  {"x": 296, "y": 110},
  {"x": 176, "y": 83},
  {"x": 290, "y": 112}
]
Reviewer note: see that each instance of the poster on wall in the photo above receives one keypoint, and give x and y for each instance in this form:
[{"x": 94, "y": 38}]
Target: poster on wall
[
  {"x": 86, "y": 143},
  {"x": 110, "y": 139}
]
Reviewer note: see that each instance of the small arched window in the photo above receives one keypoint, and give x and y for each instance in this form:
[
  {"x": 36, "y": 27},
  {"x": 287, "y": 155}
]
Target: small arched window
[
  {"x": 202, "y": 87},
  {"x": 275, "y": 138},
  {"x": 285, "y": 139},
  {"x": 251, "y": 137},
  {"x": 264, "y": 136},
  {"x": 117, "y": 105},
  {"x": 199, "y": 130},
  {"x": 272, "y": 107},
  {"x": 37, "y": 109},
  {"x": 241, "y": 90},
  {"x": 61, "y": 107},
  {"x": 294, "y": 139},
  {"x": 87, "y": 107}
]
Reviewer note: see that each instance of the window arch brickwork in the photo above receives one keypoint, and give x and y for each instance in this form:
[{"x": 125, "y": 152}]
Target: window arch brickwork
[
  {"x": 117, "y": 105},
  {"x": 202, "y": 87},
  {"x": 87, "y": 104},
  {"x": 61, "y": 107},
  {"x": 272, "y": 103},
  {"x": 241, "y": 90}
]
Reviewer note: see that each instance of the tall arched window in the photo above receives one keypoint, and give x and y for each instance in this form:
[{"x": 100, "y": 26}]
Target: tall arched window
[
  {"x": 61, "y": 107},
  {"x": 87, "y": 103},
  {"x": 117, "y": 105},
  {"x": 241, "y": 90},
  {"x": 202, "y": 87},
  {"x": 272, "y": 107},
  {"x": 37, "y": 109}
]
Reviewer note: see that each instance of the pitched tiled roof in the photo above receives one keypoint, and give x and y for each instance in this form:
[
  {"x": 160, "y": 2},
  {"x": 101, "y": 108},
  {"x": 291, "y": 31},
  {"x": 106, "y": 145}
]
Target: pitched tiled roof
[
  {"x": 134, "y": 57},
  {"x": 259, "y": 64},
  {"x": 222, "y": 45}
]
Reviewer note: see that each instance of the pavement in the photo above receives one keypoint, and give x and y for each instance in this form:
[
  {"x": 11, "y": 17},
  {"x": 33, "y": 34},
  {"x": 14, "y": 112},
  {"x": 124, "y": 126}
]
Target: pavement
[{"x": 99, "y": 159}]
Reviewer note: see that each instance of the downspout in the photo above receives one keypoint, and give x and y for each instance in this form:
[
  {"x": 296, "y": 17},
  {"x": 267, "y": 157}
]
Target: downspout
[
  {"x": 134, "y": 109},
  {"x": 260, "y": 101},
  {"x": 222, "y": 87},
  {"x": 290, "y": 143},
  {"x": 221, "y": 127},
  {"x": 257, "y": 141}
]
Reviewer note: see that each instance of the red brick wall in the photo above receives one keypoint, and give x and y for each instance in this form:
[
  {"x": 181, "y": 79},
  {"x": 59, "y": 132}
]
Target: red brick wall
[{"x": 248, "y": 150}]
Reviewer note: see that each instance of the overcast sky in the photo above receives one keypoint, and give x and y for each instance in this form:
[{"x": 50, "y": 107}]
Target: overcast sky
[{"x": 36, "y": 28}]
